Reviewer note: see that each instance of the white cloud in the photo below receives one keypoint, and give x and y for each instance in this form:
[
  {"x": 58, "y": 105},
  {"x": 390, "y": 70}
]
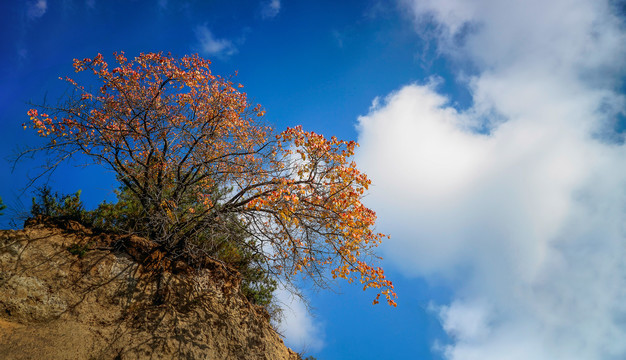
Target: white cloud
[
  {"x": 36, "y": 9},
  {"x": 211, "y": 46},
  {"x": 527, "y": 220},
  {"x": 301, "y": 331},
  {"x": 270, "y": 9}
]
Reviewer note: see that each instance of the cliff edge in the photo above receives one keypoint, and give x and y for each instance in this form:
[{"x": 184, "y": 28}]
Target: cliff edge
[{"x": 68, "y": 293}]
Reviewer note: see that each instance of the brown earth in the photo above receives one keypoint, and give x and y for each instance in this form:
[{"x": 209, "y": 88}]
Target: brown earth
[{"x": 67, "y": 293}]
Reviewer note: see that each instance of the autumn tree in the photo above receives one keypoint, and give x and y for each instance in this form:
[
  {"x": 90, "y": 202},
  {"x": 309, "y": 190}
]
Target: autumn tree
[{"x": 203, "y": 168}]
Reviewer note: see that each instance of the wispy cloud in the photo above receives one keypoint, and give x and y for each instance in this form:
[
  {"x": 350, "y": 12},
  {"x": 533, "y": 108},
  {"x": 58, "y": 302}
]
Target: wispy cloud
[
  {"x": 339, "y": 38},
  {"x": 270, "y": 9},
  {"x": 525, "y": 217},
  {"x": 210, "y": 45},
  {"x": 301, "y": 332},
  {"x": 36, "y": 9}
]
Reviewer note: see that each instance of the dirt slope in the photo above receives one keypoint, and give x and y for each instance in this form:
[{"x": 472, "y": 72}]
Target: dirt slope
[{"x": 97, "y": 302}]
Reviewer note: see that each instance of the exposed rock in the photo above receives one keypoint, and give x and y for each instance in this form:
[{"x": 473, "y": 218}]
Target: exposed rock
[{"x": 66, "y": 293}]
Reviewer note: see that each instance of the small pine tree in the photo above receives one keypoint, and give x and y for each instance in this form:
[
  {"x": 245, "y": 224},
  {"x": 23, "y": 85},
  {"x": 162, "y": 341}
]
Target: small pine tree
[
  {"x": 64, "y": 206},
  {"x": 2, "y": 206}
]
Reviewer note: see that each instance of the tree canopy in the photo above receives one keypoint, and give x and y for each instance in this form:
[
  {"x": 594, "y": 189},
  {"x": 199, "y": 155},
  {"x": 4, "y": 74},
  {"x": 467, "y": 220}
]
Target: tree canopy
[{"x": 201, "y": 165}]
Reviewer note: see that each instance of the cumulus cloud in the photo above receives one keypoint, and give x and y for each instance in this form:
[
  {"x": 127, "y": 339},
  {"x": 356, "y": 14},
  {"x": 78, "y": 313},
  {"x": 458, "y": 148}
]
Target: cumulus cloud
[
  {"x": 299, "y": 328},
  {"x": 210, "y": 45},
  {"x": 525, "y": 217},
  {"x": 270, "y": 9},
  {"x": 36, "y": 9}
]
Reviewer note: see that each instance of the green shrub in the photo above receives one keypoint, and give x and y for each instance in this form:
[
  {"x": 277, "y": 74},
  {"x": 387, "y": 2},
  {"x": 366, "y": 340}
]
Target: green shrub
[
  {"x": 123, "y": 216},
  {"x": 227, "y": 241},
  {"x": 79, "y": 249}
]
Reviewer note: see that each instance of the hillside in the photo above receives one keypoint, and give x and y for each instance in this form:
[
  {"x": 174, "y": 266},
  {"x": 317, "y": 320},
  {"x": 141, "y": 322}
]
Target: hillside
[{"x": 68, "y": 293}]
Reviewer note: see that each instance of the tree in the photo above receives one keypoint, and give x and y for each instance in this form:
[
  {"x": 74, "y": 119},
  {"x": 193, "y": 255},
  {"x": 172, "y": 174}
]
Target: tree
[
  {"x": 197, "y": 158},
  {"x": 47, "y": 203}
]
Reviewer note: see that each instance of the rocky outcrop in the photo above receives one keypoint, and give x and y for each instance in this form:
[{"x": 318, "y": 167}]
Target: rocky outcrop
[{"x": 66, "y": 293}]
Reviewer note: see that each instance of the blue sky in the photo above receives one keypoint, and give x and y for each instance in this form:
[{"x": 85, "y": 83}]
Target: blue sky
[{"x": 491, "y": 130}]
